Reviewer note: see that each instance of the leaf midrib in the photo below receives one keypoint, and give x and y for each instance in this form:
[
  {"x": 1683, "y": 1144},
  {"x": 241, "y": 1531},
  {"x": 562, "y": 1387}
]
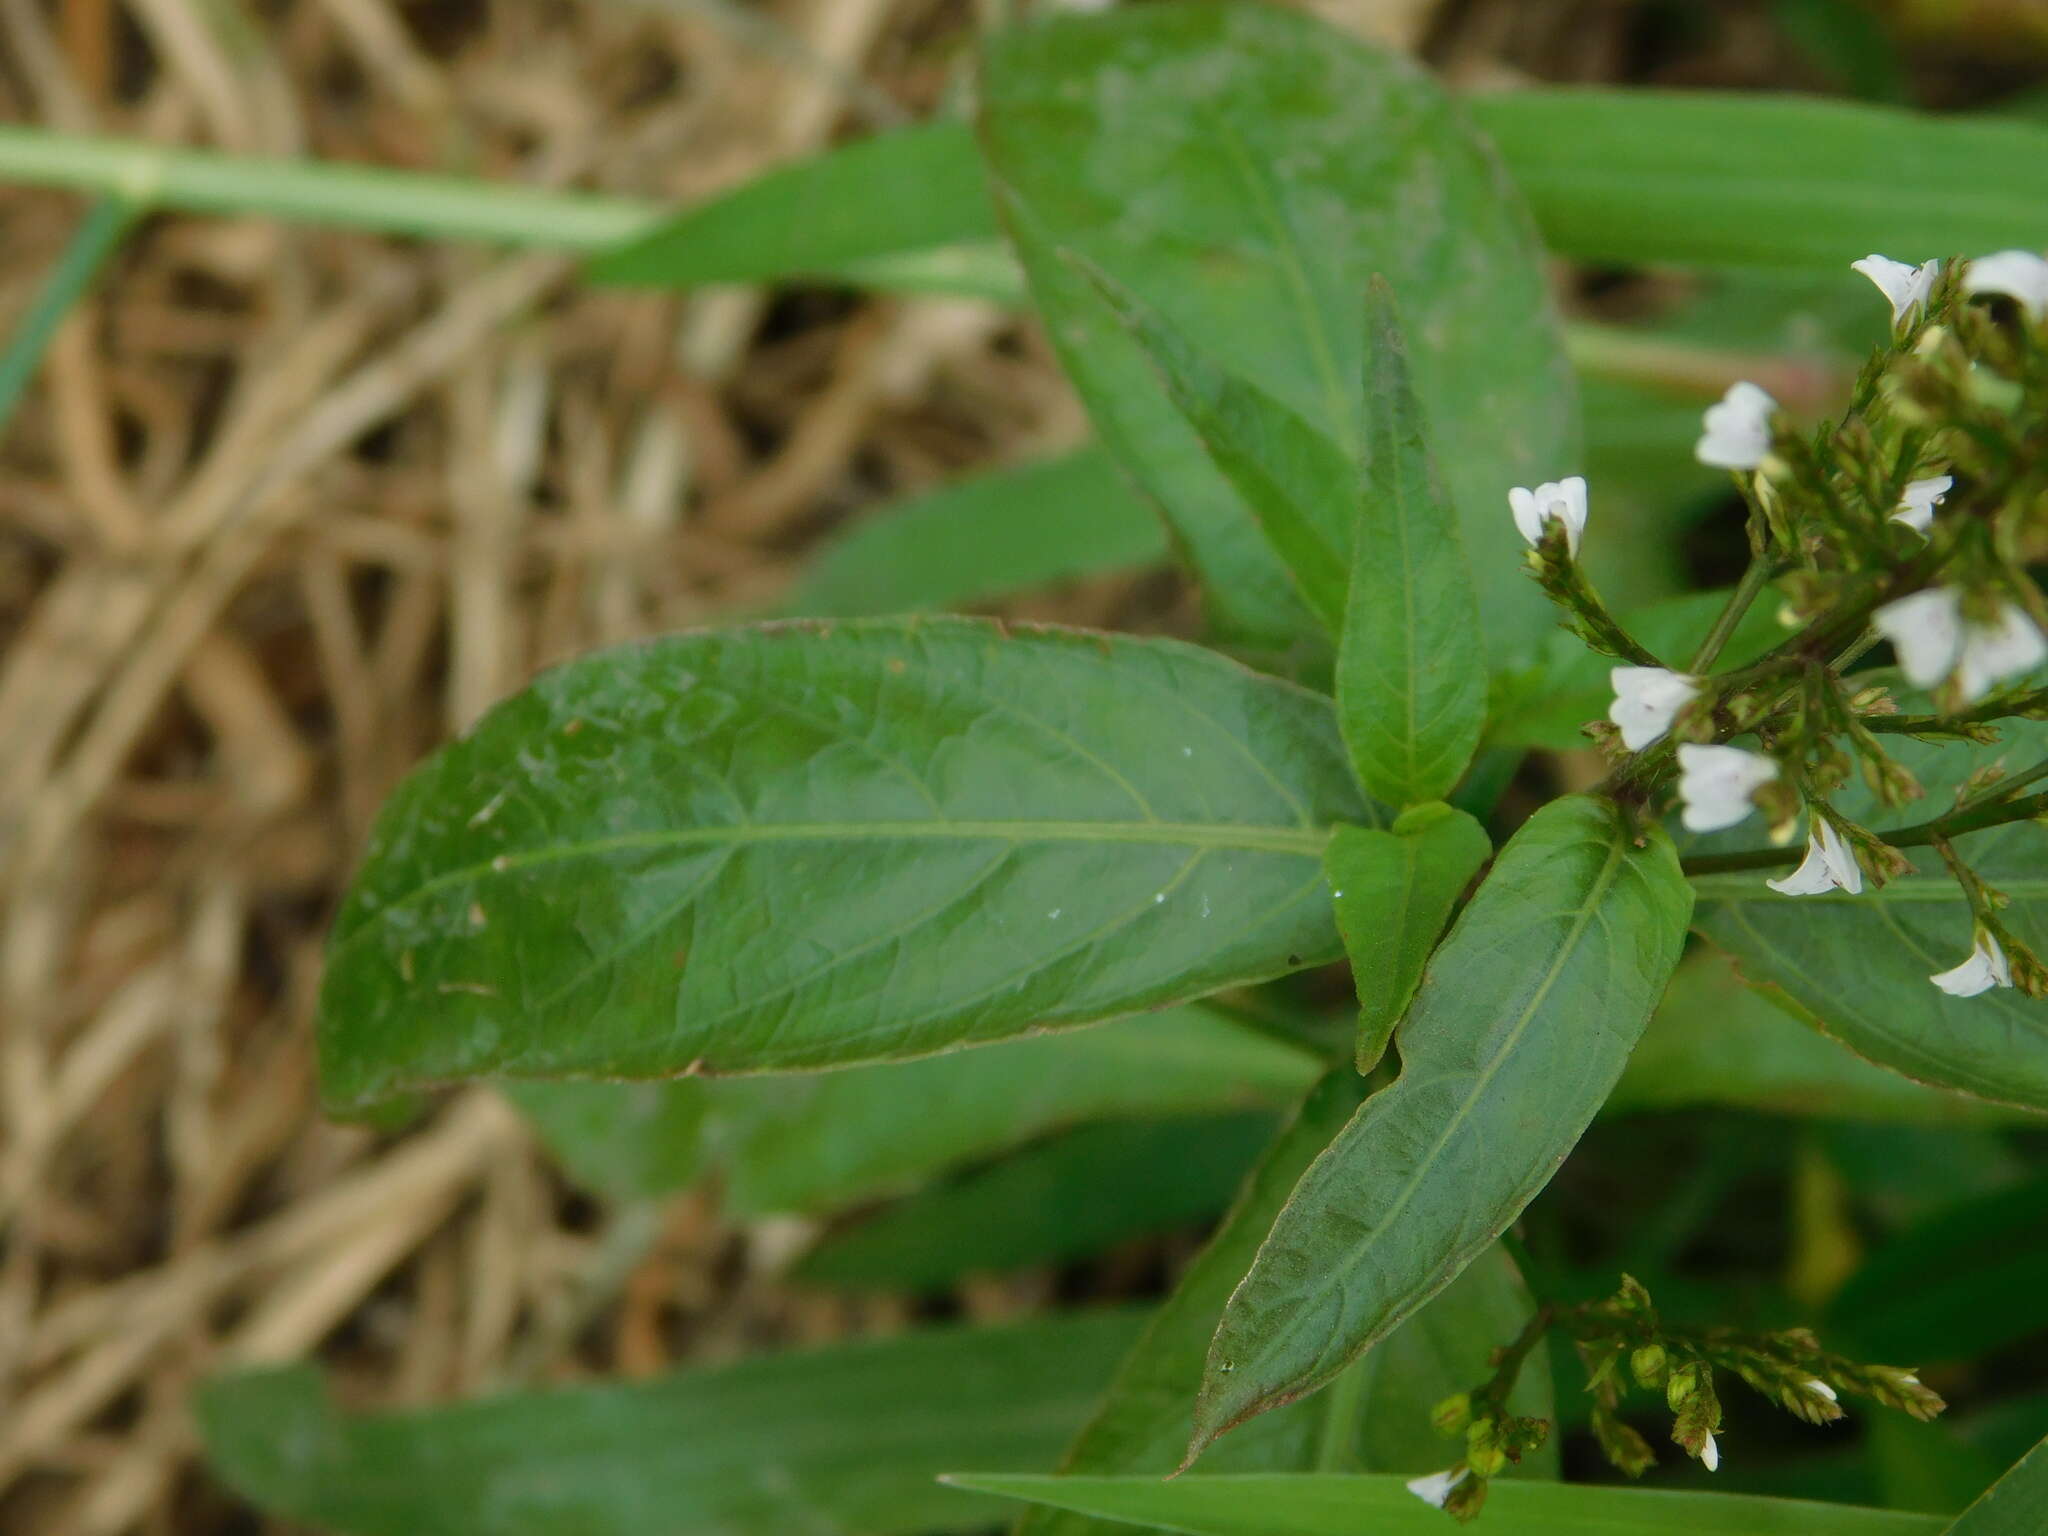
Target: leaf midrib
[{"x": 1301, "y": 841}]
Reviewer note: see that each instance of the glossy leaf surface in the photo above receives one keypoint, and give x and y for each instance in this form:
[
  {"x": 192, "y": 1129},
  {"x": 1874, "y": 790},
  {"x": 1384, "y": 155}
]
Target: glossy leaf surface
[
  {"x": 842, "y": 1439},
  {"x": 2013, "y": 1505},
  {"x": 1519, "y": 1029},
  {"x": 1393, "y": 891},
  {"x": 1245, "y": 170},
  {"x": 797, "y": 846}
]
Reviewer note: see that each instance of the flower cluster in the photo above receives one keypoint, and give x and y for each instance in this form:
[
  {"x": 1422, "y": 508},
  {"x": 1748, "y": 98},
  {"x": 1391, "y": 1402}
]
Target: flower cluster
[{"x": 1909, "y": 521}]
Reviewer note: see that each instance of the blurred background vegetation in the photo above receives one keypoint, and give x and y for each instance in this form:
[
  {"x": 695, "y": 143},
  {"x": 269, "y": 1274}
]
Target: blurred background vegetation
[{"x": 282, "y": 506}]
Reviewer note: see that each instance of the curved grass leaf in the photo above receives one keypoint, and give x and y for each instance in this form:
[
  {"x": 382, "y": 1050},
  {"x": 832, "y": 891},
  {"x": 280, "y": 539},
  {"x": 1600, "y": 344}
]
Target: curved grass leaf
[
  {"x": 2013, "y": 1505},
  {"x": 984, "y": 537},
  {"x": 1375, "y": 1418},
  {"x": 1856, "y": 967},
  {"x": 1273, "y": 1505},
  {"x": 1393, "y": 891},
  {"x": 848, "y": 1438},
  {"x": 1064, "y": 1198},
  {"x": 1523, "y": 1020},
  {"x": 1411, "y": 674},
  {"x": 1245, "y": 170},
  {"x": 797, "y": 846}
]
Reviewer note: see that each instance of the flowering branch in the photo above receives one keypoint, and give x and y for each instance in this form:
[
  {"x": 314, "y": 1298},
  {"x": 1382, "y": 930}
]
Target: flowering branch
[{"x": 1924, "y": 834}]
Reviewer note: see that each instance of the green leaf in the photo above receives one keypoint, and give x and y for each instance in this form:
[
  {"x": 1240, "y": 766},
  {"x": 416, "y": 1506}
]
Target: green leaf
[
  {"x": 814, "y": 1141},
  {"x": 1523, "y": 1020},
  {"x": 985, "y": 537},
  {"x": 1381, "y": 1506},
  {"x": 1394, "y": 891},
  {"x": 1298, "y": 485},
  {"x": 1244, "y": 170},
  {"x": 1072, "y": 1195},
  {"x": 1857, "y": 966},
  {"x": 818, "y": 1141},
  {"x": 841, "y": 1439},
  {"x": 1969, "y": 1280},
  {"x": 1714, "y": 1040},
  {"x": 1411, "y": 677},
  {"x": 1704, "y": 178},
  {"x": 2011, "y": 1506},
  {"x": 1375, "y": 1418},
  {"x": 796, "y": 846},
  {"x": 908, "y": 190}
]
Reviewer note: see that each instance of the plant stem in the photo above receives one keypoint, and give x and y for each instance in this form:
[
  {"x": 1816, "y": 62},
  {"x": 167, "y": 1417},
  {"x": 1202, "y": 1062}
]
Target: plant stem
[
  {"x": 1924, "y": 834},
  {"x": 1754, "y": 578},
  {"x": 1515, "y": 1355},
  {"x": 1938, "y": 725},
  {"x": 96, "y": 240},
  {"x": 2006, "y": 787}
]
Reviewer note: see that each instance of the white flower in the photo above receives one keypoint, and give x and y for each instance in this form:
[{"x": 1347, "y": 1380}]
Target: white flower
[
  {"x": 1927, "y": 631},
  {"x": 1993, "y": 651},
  {"x": 1738, "y": 430},
  {"x": 1715, "y": 783},
  {"x": 1647, "y": 700},
  {"x": 1562, "y": 501},
  {"x": 1710, "y": 1453},
  {"x": 1904, "y": 285},
  {"x": 1921, "y": 497},
  {"x": 2021, "y": 276},
  {"x": 1828, "y": 864},
  {"x": 1436, "y": 1487},
  {"x": 1820, "y": 1388},
  {"x": 1986, "y": 968}
]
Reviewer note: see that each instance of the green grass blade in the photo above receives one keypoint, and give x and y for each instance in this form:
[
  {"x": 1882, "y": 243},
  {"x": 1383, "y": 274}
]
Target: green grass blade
[{"x": 88, "y": 251}]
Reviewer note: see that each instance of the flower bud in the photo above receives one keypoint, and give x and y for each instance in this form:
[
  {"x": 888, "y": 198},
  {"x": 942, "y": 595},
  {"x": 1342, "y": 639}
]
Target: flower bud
[
  {"x": 1452, "y": 1414},
  {"x": 1649, "y": 1364}
]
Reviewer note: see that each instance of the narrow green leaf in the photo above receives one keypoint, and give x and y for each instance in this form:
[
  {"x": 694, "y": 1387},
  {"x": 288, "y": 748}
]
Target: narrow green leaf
[
  {"x": 1064, "y": 1198},
  {"x": 1375, "y": 1418},
  {"x": 1704, "y": 178},
  {"x": 848, "y": 1438},
  {"x": 1381, "y": 1506},
  {"x": 97, "y": 238},
  {"x": 985, "y": 537},
  {"x": 906, "y": 190},
  {"x": 2011, "y": 1506},
  {"x": 1244, "y": 170},
  {"x": 1520, "y": 1028},
  {"x": 796, "y": 846},
  {"x": 1394, "y": 891},
  {"x": 1857, "y": 966},
  {"x": 1298, "y": 485},
  {"x": 1411, "y": 674},
  {"x": 819, "y": 1141}
]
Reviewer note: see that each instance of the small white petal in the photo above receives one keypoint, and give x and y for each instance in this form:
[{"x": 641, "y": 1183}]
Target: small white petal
[
  {"x": 1738, "y": 429},
  {"x": 1918, "y": 501},
  {"x": 1647, "y": 700},
  {"x": 1986, "y": 968},
  {"x": 1436, "y": 1487},
  {"x": 1926, "y": 629},
  {"x": 1562, "y": 501},
  {"x": 1902, "y": 284},
  {"x": 1828, "y": 865},
  {"x": 1993, "y": 652},
  {"x": 1820, "y": 1388},
  {"x": 1715, "y": 783},
  {"x": 1710, "y": 1453},
  {"x": 2021, "y": 276}
]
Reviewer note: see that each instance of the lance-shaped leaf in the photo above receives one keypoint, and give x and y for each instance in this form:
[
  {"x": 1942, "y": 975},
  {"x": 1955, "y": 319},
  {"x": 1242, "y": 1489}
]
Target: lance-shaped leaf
[
  {"x": 1273, "y": 1505},
  {"x": 1394, "y": 891},
  {"x": 1411, "y": 669},
  {"x": 2012, "y": 1506},
  {"x": 1856, "y": 967},
  {"x": 1244, "y": 170},
  {"x": 1523, "y": 1020},
  {"x": 1375, "y": 1418},
  {"x": 848, "y": 1438},
  {"x": 798, "y": 845}
]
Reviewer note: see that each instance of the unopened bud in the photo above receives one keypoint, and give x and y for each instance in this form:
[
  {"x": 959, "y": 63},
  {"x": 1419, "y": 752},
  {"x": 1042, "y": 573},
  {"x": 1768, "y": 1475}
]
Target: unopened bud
[
  {"x": 1649, "y": 1364},
  {"x": 1681, "y": 1386},
  {"x": 1452, "y": 1414}
]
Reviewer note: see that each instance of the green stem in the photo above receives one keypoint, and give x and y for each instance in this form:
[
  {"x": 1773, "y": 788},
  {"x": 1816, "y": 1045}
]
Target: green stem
[
  {"x": 1754, "y": 579},
  {"x": 1951, "y": 725},
  {"x": 97, "y": 239},
  {"x": 1515, "y": 1355},
  {"x": 1926, "y": 834}
]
